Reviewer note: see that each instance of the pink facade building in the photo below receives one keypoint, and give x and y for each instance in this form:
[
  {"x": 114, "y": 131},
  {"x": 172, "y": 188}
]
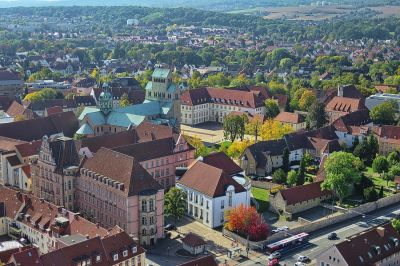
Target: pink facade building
[
  {"x": 161, "y": 157},
  {"x": 114, "y": 189}
]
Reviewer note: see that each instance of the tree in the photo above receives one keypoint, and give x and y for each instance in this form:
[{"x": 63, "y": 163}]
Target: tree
[
  {"x": 271, "y": 108},
  {"x": 367, "y": 149},
  {"x": 388, "y": 177},
  {"x": 301, "y": 177},
  {"x": 380, "y": 164},
  {"x": 240, "y": 81},
  {"x": 234, "y": 127},
  {"x": 245, "y": 221},
  {"x": 274, "y": 130},
  {"x": 384, "y": 113},
  {"x": 175, "y": 203},
  {"x": 370, "y": 194},
  {"x": 396, "y": 224},
  {"x": 19, "y": 118},
  {"x": 279, "y": 176},
  {"x": 393, "y": 158},
  {"x": 317, "y": 116},
  {"x": 307, "y": 99},
  {"x": 395, "y": 170},
  {"x": 237, "y": 148},
  {"x": 286, "y": 63},
  {"x": 124, "y": 100},
  {"x": 285, "y": 159},
  {"x": 292, "y": 178},
  {"x": 342, "y": 170},
  {"x": 381, "y": 192},
  {"x": 253, "y": 128}
]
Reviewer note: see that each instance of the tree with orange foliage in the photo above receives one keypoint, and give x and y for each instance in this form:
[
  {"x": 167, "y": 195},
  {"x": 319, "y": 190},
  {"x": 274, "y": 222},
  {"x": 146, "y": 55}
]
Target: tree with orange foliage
[{"x": 245, "y": 221}]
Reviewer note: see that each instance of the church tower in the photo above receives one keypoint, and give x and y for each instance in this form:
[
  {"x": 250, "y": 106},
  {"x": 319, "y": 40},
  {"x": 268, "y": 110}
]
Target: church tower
[{"x": 106, "y": 100}]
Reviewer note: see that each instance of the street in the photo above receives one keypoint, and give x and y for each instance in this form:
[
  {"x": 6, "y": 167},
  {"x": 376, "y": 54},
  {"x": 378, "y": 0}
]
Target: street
[{"x": 319, "y": 242}]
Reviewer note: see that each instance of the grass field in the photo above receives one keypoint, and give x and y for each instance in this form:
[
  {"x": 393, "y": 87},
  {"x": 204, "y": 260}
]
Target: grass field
[
  {"x": 262, "y": 197},
  {"x": 379, "y": 182}
]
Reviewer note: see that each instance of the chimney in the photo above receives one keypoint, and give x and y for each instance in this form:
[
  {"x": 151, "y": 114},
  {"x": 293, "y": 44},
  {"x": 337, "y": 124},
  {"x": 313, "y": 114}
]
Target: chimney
[
  {"x": 340, "y": 91},
  {"x": 381, "y": 231}
]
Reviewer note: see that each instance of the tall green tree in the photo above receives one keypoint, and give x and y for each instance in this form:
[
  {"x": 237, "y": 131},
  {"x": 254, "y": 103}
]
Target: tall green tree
[
  {"x": 301, "y": 177},
  {"x": 285, "y": 160},
  {"x": 292, "y": 178},
  {"x": 175, "y": 203},
  {"x": 316, "y": 116},
  {"x": 271, "y": 108},
  {"x": 342, "y": 170},
  {"x": 380, "y": 164},
  {"x": 234, "y": 127},
  {"x": 384, "y": 113}
]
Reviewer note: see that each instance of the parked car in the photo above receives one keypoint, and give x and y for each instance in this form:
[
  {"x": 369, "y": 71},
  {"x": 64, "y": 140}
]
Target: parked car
[
  {"x": 170, "y": 227},
  {"x": 299, "y": 264},
  {"x": 332, "y": 236},
  {"x": 274, "y": 231},
  {"x": 273, "y": 262},
  {"x": 302, "y": 258},
  {"x": 284, "y": 228},
  {"x": 274, "y": 255}
]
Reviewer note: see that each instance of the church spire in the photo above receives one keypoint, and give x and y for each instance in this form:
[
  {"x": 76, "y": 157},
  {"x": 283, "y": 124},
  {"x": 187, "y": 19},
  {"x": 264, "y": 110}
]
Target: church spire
[{"x": 106, "y": 100}]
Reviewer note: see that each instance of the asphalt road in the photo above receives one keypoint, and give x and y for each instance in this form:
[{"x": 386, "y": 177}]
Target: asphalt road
[{"x": 318, "y": 241}]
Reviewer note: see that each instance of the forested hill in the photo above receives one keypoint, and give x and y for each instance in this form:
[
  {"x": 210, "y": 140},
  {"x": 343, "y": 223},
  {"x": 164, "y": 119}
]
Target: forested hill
[{"x": 218, "y": 5}]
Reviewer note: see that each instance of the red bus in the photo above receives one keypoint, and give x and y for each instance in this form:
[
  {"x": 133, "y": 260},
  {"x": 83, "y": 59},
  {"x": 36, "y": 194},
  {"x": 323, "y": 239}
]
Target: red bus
[{"x": 288, "y": 242}]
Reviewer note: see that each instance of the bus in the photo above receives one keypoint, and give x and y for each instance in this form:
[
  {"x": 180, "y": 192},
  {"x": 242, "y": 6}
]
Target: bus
[{"x": 288, "y": 242}]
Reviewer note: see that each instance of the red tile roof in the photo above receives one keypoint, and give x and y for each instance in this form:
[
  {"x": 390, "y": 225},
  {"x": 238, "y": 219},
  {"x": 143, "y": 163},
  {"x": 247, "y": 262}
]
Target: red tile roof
[
  {"x": 286, "y": 117},
  {"x": 8, "y": 144},
  {"x": 235, "y": 97},
  {"x": 209, "y": 180},
  {"x": 368, "y": 242},
  {"x": 29, "y": 148},
  {"x": 222, "y": 161},
  {"x": 54, "y": 110},
  {"x": 193, "y": 240},
  {"x": 343, "y": 104},
  {"x": 122, "y": 168},
  {"x": 303, "y": 193}
]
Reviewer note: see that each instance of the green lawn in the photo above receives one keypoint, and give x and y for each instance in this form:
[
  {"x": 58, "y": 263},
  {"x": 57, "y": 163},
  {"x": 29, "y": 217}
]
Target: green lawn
[
  {"x": 379, "y": 182},
  {"x": 262, "y": 197}
]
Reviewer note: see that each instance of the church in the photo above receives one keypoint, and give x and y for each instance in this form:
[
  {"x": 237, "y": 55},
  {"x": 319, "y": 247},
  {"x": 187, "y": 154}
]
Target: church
[{"x": 161, "y": 106}]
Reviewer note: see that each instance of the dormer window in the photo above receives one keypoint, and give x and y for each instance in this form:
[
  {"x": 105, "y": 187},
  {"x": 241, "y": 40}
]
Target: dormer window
[
  {"x": 134, "y": 250},
  {"x": 98, "y": 258},
  {"x": 115, "y": 257},
  {"x": 125, "y": 253}
]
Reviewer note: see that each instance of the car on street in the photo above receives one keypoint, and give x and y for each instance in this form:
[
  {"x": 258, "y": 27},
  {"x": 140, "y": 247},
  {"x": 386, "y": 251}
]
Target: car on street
[
  {"x": 284, "y": 228},
  {"x": 170, "y": 227},
  {"x": 274, "y": 255},
  {"x": 302, "y": 258},
  {"x": 273, "y": 262},
  {"x": 274, "y": 231},
  {"x": 332, "y": 236},
  {"x": 299, "y": 264}
]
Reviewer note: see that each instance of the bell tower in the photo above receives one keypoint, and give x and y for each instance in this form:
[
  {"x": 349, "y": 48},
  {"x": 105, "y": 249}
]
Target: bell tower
[{"x": 106, "y": 100}]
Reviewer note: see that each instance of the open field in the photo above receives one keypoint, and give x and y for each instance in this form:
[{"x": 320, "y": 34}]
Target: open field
[{"x": 316, "y": 12}]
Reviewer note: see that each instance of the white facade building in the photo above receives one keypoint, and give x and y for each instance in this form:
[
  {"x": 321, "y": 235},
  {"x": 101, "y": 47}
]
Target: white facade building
[{"x": 210, "y": 192}]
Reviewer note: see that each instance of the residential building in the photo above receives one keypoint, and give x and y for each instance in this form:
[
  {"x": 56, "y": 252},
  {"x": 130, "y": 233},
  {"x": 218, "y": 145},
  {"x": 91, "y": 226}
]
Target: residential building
[
  {"x": 295, "y": 120},
  {"x": 379, "y": 98},
  {"x": 161, "y": 157},
  {"x": 297, "y": 199},
  {"x": 17, "y": 112},
  {"x": 114, "y": 189},
  {"x": 388, "y": 138},
  {"x": 162, "y": 106},
  {"x": 54, "y": 174},
  {"x": 10, "y": 84},
  {"x": 210, "y": 192},
  {"x": 378, "y": 245},
  {"x": 213, "y": 104},
  {"x": 117, "y": 248},
  {"x": 340, "y": 106},
  {"x": 40, "y": 222},
  {"x": 39, "y": 107}
]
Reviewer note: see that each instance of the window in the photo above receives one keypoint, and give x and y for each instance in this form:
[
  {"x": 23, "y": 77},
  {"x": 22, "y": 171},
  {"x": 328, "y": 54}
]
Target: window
[
  {"x": 125, "y": 253},
  {"x": 134, "y": 249},
  {"x": 115, "y": 257},
  {"x": 144, "y": 205},
  {"x": 222, "y": 204},
  {"x": 98, "y": 258},
  {"x": 151, "y": 205},
  {"x": 144, "y": 221},
  {"x": 144, "y": 232}
]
